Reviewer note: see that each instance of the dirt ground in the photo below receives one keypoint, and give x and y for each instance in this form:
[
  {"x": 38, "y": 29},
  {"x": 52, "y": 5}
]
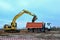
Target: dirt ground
[{"x": 24, "y": 35}]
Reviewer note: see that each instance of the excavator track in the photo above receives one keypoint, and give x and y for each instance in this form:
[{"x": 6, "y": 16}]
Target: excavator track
[{"x": 12, "y": 31}]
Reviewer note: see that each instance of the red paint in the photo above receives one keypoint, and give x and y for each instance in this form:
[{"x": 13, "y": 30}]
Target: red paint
[{"x": 34, "y": 25}]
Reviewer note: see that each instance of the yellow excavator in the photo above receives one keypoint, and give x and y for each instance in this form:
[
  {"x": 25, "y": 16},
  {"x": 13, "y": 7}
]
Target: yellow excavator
[{"x": 13, "y": 26}]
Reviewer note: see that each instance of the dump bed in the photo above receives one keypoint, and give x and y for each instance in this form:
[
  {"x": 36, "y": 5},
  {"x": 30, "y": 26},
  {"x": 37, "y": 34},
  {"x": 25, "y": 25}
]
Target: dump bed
[{"x": 34, "y": 25}]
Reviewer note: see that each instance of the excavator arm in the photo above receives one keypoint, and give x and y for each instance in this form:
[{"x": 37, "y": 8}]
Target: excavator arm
[{"x": 18, "y": 15}]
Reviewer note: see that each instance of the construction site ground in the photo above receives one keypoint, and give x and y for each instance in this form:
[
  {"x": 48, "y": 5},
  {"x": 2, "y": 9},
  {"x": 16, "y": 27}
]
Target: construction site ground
[{"x": 24, "y": 35}]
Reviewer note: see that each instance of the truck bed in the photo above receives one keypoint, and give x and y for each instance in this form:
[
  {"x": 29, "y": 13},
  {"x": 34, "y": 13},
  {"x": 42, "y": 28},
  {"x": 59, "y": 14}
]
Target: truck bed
[{"x": 34, "y": 25}]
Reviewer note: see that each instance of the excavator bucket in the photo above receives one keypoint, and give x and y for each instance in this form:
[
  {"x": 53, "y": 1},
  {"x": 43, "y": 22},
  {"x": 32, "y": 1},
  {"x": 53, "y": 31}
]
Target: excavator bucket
[{"x": 34, "y": 18}]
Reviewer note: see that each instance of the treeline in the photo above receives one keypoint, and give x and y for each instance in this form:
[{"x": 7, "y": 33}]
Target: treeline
[{"x": 55, "y": 28}]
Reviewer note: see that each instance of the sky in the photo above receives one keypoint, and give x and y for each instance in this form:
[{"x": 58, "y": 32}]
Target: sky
[{"x": 47, "y": 11}]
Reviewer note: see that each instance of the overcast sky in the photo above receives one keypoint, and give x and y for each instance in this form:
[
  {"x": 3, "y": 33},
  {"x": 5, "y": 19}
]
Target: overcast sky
[{"x": 46, "y": 11}]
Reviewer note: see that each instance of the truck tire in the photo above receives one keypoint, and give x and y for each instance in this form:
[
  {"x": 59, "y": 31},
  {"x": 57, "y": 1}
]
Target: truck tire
[
  {"x": 38, "y": 30},
  {"x": 30, "y": 29},
  {"x": 48, "y": 29},
  {"x": 43, "y": 30}
]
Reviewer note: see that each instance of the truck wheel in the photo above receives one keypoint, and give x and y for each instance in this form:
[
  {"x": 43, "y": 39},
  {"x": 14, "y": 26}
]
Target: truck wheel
[
  {"x": 48, "y": 29},
  {"x": 42, "y": 30},
  {"x": 30, "y": 29},
  {"x": 38, "y": 30}
]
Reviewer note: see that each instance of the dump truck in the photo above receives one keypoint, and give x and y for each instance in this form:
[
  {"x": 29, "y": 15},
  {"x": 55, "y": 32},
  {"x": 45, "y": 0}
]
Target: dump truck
[{"x": 35, "y": 27}]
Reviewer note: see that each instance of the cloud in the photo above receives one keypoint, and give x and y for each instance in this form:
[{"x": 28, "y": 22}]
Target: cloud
[
  {"x": 5, "y": 6},
  {"x": 23, "y": 3}
]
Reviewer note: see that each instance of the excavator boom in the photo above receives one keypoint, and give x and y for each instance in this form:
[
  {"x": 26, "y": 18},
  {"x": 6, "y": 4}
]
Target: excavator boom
[{"x": 20, "y": 14}]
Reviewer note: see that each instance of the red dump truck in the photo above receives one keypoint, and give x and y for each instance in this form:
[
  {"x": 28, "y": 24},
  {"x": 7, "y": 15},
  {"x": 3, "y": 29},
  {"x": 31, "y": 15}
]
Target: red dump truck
[{"x": 35, "y": 26}]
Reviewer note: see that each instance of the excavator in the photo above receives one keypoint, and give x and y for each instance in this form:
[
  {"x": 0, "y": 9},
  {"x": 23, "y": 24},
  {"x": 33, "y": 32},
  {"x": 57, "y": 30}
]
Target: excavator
[{"x": 13, "y": 27}]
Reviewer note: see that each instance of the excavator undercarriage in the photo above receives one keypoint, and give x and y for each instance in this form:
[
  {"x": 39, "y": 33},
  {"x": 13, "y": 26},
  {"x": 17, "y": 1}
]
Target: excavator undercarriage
[{"x": 9, "y": 29}]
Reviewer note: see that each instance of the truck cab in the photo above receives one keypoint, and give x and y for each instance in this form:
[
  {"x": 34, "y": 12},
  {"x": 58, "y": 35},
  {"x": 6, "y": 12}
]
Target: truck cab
[{"x": 48, "y": 26}]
